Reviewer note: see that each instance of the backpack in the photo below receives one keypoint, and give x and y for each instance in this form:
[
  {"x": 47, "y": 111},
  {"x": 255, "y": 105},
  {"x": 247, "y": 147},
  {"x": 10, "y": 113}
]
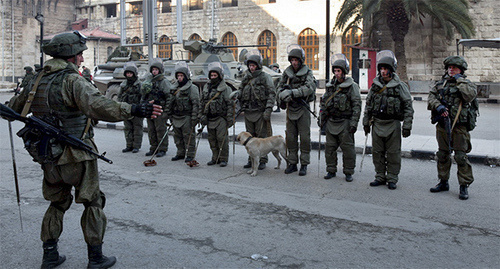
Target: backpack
[{"x": 472, "y": 114}]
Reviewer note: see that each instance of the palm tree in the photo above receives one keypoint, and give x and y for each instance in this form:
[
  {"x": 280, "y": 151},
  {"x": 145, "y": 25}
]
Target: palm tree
[{"x": 398, "y": 14}]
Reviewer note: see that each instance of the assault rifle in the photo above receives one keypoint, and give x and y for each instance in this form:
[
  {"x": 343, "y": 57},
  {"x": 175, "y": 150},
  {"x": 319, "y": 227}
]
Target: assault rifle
[
  {"x": 306, "y": 105},
  {"x": 447, "y": 126},
  {"x": 50, "y": 131}
]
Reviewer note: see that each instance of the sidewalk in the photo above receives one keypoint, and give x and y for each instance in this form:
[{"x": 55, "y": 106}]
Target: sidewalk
[{"x": 416, "y": 146}]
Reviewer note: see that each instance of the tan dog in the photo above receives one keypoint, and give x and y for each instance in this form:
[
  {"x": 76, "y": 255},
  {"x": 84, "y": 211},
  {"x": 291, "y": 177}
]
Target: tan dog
[{"x": 259, "y": 147}]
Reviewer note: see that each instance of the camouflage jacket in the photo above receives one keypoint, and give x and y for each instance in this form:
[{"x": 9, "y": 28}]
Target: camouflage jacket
[
  {"x": 130, "y": 93},
  {"x": 450, "y": 93},
  {"x": 303, "y": 82},
  {"x": 157, "y": 89},
  {"x": 391, "y": 101},
  {"x": 76, "y": 96},
  {"x": 27, "y": 79},
  {"x": 341, "y": 101},
  {"x": 257, "y": 92},
  {"x": 221, "y": 106},
  {"x": 184, "y": 101}
]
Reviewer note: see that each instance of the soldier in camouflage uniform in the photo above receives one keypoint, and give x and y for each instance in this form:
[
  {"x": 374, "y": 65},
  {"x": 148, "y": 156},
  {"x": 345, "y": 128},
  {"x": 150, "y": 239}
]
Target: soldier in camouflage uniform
[
  {"x": 340, "y": 109},
  {"x": 451, "y": 96},
  {"x": 296, "y": 89},
  {"x": 387, "y": 104},
  {"x": 257, "y": 96},
  {"x": 157, "y": 88},
  {"x": 86, "y": 74},
  {"x": 28, "y": 77},
  {"x": 183, "y": 110},
  {"x": 216, "y": 112},
  {"x": 131, "y": 93},
  {"x": 73, "y": 100}
]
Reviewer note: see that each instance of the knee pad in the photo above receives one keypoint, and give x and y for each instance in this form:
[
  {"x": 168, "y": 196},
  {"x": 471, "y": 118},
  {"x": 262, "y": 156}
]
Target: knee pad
[
  {"x": 460, "y": 158},
  {"x": 442, "y": 156},
  {"x": 99, "y": 201},
  {"x": 62, "y": 205}
]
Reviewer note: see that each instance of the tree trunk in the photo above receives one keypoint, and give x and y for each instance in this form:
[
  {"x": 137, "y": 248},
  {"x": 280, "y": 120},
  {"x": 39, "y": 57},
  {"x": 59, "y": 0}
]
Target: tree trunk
[{"x": 400, "y": 52}]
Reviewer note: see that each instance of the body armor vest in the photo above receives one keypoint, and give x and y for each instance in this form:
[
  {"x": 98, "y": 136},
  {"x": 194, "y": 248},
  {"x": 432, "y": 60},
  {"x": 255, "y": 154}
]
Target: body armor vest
[
  {"x": 255, "y": 93},
  {"x": 387, "y": 105},
  {"x": 450, "y": 97},
  {"x": 339, "y": 107},
  {"x": 218, "y": 107},
  {"x": 181, "y": 103}
]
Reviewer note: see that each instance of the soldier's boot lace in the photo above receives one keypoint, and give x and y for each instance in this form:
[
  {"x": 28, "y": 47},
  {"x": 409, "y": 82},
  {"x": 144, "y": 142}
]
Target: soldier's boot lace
[
  {"x": 441, "y": 186},
  {"x": 97, "y": 260},
  {"x": 51, "y": 257}
]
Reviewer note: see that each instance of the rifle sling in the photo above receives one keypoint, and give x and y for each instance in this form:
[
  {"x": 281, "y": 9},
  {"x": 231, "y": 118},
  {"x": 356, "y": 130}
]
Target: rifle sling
[
  {"x": 31, "y": 95},
  {"x": 210, "y": 101},
  {"x": 456, "y": 116}
]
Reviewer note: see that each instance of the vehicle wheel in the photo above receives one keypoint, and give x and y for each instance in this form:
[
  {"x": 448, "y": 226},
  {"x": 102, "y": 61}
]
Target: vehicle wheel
[{"x": 113, "y": 91}]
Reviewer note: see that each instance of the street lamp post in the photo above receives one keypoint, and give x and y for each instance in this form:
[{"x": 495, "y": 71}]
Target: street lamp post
[{"x": 40, "y": 19}]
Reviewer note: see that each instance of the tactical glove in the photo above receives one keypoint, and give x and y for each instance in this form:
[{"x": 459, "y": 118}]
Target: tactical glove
[
  {"x": 203, "y": 120},
  {"x": 286, "y": 96},
  {"x": 441, "y": 109},
  {"x": 406, "y": 132},
  {"x": 353, "y": 129},
  {"x": 143, "y": 110},
  {"x": 267, "y": 114},
  {"x": 367, "y": 129},
  {"x": 296, "y": 93}
]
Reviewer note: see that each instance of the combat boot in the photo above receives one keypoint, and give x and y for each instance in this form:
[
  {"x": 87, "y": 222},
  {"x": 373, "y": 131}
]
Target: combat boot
[
  {"x": 441, "y": 186},
  {"x": 348, "y": 177},
  {"x": 262, "y": 166},
  {"x": 51, "y": 257},
  {"x": 330, "y": 175},
  {"x": 464, "y": 194},
  {"x": 248, "y": 165},
  {"x": 291, "y": 168},
  {"x": 127, "y": 149},
  {"x": 303, "y": 170},
  {"x": 97, "y": 260}
]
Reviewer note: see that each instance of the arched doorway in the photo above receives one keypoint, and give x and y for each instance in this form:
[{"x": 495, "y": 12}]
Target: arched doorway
[
  {"x": 268, "y": 54},
  {"x": 165, "y": 51},
  {"x": 309, "y": 41},
  {"x": 351, "y": 36}
]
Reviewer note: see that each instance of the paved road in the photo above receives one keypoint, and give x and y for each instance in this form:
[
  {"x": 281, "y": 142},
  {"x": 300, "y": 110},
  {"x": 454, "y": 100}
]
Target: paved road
[{"x": 173, "y": 216}]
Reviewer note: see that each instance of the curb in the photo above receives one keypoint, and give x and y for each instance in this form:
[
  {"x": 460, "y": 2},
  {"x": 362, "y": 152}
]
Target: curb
[{"x": 410, "y": 154}]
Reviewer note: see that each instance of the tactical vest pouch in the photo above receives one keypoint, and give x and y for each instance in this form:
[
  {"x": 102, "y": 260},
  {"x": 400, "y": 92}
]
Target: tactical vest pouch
[
  {"x": 42, "y": 148},
  {"x": 472, "y": 114}
]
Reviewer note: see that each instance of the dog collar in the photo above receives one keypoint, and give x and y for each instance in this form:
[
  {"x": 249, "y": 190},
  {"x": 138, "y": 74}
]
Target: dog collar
[{"x": 246, "y": 141}]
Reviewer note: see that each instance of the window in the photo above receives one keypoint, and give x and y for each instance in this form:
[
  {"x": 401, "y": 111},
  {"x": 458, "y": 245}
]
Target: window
[
  {"x": 136, "y": 8},
  {"x": 110, "y": 10},
  {"x": 351, "y": 36},
  {"x": 193, "y": 37},
  {"x": 135, "y": 40},
  {"x": 195, "y": 4},
  {"x": 309, "y": 41},
  {"x": 268, "y": 54},
  {"x": 261, "y": 2},
  {"x": 229, "y": 39},
  {"x": 165, "y": 51},
  {"x": 229, "y": 3},
  {"x": 164, "y": 6}
]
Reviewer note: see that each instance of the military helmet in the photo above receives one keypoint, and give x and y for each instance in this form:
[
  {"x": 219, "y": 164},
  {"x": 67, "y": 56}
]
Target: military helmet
[
  {"x": 254, "y": 56},
  {"x": 274, "y": 65},
  {"x": 340, "y": 61},
  {"x": 295, "y": 51},
  {"x": 387, "y": 58},
  {"x": 66, "y": 45},
  {"x": 28, "y": 68},
  {"x": 182, "y": 67},
  {"x": 457, "y": 61},
  {"x": 38, "y": 67},
  {"x": 130, "y": 67},
  {"x": 158, "y": 63},
  {"x": 217, "y": 67}
]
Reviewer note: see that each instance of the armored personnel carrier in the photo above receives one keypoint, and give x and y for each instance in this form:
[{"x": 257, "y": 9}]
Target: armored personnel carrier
[{"x": 109, "y": 76}]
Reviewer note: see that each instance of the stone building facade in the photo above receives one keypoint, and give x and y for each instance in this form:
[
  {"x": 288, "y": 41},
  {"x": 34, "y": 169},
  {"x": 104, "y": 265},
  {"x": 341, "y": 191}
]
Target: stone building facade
[{"x": 248, "y": 22}]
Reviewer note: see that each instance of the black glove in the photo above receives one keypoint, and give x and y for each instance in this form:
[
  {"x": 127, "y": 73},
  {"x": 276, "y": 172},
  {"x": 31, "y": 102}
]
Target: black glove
[
  {"x": 353, "y": 129},
  {"x": 441, "y": 109},
  {"x": 144, "y": 110},
  {"x": 406, "y": 132},
  {"x": 367, "y": 129}
]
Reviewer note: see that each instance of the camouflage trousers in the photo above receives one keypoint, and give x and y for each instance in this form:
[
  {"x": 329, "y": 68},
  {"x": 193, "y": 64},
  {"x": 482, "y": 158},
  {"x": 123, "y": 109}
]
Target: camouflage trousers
[
  {"x": 185, "y": 139},
  {"x": 295, "y": 128},
  {"x": 156, "y": 130},
  {"x": 386, "y": 152},
  {"x": 58, "y": 180},
  {"x": 461, "y": 145},
  {"x": 345, "y": 141},
  {"x": 218, "y": 139},
  {"x": 261, "y": 129},
  {"x": 133, "y": 132}
]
